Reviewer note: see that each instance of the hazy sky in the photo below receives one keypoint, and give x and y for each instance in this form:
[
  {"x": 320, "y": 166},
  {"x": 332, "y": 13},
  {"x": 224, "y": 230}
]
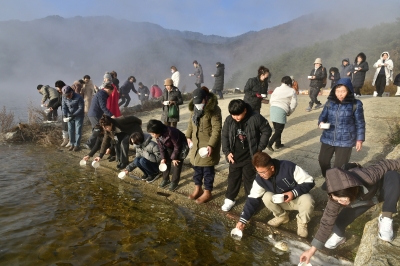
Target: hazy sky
[{"x": 220, "y": 17}]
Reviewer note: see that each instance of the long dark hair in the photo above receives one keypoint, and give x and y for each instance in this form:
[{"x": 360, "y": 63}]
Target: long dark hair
[
  {"x": 106, "y": 120},
  {"x": 350, "y": 192}
]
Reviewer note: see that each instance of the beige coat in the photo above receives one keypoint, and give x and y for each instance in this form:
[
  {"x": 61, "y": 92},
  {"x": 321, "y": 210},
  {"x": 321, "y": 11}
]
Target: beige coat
[{"x": 87, "y": 94}]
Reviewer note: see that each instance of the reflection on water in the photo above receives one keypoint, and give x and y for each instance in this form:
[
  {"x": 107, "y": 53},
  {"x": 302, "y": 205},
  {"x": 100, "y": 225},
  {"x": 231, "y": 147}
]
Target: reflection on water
[{"x": 53, "y": 212}]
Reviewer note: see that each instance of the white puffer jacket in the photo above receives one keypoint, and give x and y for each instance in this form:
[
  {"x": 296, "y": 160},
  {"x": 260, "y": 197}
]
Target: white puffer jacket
[{"x": 388, "y": 69}]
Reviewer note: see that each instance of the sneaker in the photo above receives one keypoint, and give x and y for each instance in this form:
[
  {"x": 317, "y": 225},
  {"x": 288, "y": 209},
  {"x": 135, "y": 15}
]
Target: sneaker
[
  {"x": 144, "y": 177},
  {"x": 277, "y": 221},
  {"x": 65, "y": 142},
  {"x": 334, "y": 241},
  {"x": 385, "y": 228},
  {"x": 153, "y": 178},
  {"x": 270, "y": 148},
  {"x": 375, "y": 94},
  {"x": 308, "y": 109},
  {"x": 173, "y": 186},
  {"x": 301, "y": 229},
  {"x": 164, "y": 183},
  {"x": 318, "y": 106},
  {"x": 277, "y": 147},
  {"x": 68, "y": 145},
  {"x": 228, "y": 204}
]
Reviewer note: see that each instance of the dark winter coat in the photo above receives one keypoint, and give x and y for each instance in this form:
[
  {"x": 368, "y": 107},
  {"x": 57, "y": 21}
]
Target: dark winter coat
[
  {"x": 397, "y": 80},
  {"x": 171, "y": 143},
  {"x": 347, "y": 126},
  {"x": 253, "y": 87},
  {"x": 73, "y": 107},
  {"x": 288, "y": 177},
  {"x": 98, "y": 106},
  {"x": 198, "y": 73},
  {"x": 143, "y": 91},
  {"x": 125, "y": 124},
  {"x": 219, "y": 78},
  {"x": 126, "y": 88},
  {"x": 207, "y": 133},
  {"x": 338, "y": 179},
  {"x": 346, "y": 69},
  {"x": 319, "y": 77},
  {"x": 358, "y": 76},
  {"x": 174, "y": 95},
  {"x": 335, "y": 77},
  {"x": 257, "y": 129}
]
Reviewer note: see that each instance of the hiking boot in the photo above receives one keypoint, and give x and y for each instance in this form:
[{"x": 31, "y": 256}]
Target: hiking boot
[
  {"x": 385, "y": 228},
  {"x": 318, "y": 106},
  {"x": 269, "y": 147},
  {"x": 153, "y": 178},
  {"x": 144, "y": 177},
  {"x": 121, "y": 166},
  {"x": 228, "y": 204},
  {"x": 205, "y": 197},
  {"x": 76, "y": 148},
  {"x": 277, "y": 221},
  {"x": 173, "y": 186},
  {"x": 308, "y": 109},
  {"x": 164, "y": 183},
  {"x": 277, "y": 147},
  {"x": 111, "y": 158},
  {"x": 334, "y": 241},
  {"x": 65, "y": 142},
  {"x": 301, "y": 229},
  {"x": 198, "y": 191},
  {"x": 71, "y": 148}
]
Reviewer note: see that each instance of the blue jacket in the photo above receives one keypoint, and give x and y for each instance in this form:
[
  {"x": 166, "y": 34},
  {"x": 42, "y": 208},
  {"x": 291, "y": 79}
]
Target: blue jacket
[
  {"x": 98, "y": 106},
  {"x": 288, "y": 177},
  {"x": 74, "y": 106},
  {"x": 346, "y": 118}
]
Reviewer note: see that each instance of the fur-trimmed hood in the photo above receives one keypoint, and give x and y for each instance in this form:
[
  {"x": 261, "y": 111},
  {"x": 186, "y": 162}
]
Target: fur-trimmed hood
[
  {"x": 211, "y": 102},
  {"x": 385, "y": 53},
  {"x": 363, "y": 57}
]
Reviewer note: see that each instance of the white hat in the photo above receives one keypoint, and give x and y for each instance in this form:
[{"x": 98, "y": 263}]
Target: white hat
[{"x": 318, "y": 61}]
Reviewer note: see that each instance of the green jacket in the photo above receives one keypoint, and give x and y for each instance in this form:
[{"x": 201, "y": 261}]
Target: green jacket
[{"x": 208, "y": 133}]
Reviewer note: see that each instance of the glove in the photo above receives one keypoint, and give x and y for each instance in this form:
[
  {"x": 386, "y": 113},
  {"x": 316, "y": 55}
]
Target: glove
[{"x": 258, "y": 95}]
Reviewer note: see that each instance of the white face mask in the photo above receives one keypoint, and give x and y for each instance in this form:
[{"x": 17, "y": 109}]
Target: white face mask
[
  {"x": 199, "y": 106},
  {"x": 172, "y": 71}
]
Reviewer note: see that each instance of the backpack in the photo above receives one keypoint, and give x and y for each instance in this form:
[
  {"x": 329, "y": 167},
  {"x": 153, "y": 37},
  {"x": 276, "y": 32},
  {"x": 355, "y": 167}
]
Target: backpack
[{"x": 324, "y": 80}]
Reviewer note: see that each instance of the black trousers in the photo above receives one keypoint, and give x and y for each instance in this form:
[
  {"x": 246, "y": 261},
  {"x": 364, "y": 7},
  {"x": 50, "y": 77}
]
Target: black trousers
[
  {"x": 276, "y": 137},
  {"x": 122, "y": 148},
  {"x": 198, "y": 85},
  {"x": 391, "y": 194},
  {"x": 174, "y": 170},
  {"x": 357, "y": 90},
  {"x": 238, "y": 171},
  {"x": 52, "y": 115},
  {"x": 124, "y": 98},
  {"x": 171, "y": 124},
  {"x": 380, "y": 84},
  {"x": 342, "y": 156},
  {"x": 95, "y": 133},
  {"x": 313, "y": 93}
]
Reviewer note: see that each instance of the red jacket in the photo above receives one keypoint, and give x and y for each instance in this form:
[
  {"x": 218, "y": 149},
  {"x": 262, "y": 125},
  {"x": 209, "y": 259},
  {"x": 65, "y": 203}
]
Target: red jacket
[
  {"x": 112, "y": 102},
  {"x": 155, "y": 91}
]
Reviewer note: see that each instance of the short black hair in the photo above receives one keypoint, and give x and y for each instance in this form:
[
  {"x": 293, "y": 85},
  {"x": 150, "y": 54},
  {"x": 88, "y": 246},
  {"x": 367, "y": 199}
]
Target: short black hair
[
  {"x": 106, "y": 120},
  {"x": 287, "y": 80},
  {"x": 81, "y": 81},
  {"x": 86, "y": 77},
  {"x": 136, "y": 138},
  {"x": 236, "y": 107},
  {"x": 59, "y": 84},
  {"x": 39, "y": 86},
  {"x": 109, "y": 86},
  {"x": 155, "y": 126},
  {"x": 132, "y": 77},
  {"x": 350, "y": 192}
]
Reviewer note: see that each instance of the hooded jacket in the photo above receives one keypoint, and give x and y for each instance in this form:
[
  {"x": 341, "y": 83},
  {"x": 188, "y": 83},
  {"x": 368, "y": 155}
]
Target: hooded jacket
[
  {"x": 207, "y": 133},
  {"x": 346, "y": 69},
  {"x": 219, "y": 78},
  {"x": 148, "y": 150},
  {"x": 288, "y": 177},
  {"x": 127, "y": 87},
  {"x": 174, "y": 95},
  {"x": 388, "y": 69},
  {"x": 253, "y": 87},
  {"x": 175, "y": 78},
  {"x": 142, "y": 92},
  {"x": 397, "y": 80},
  {"x": 358, "y": 76},
  {"x": 48, "y": 93},
  {"x": 334, "y": 77},
  {"x": 337, "y": 179},
  {"x": 98, "y": 106},
  {"x": 257, "y": 129},
  {"x": 347, "y": 125}
]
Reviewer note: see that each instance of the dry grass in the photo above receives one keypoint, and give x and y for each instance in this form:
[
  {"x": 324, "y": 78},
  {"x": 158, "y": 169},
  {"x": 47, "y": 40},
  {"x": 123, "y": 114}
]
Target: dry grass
[
  {"x": 6, "y": 120},
  {"x": 368, "y": 89},
  {"x": 393, "y": 136}
]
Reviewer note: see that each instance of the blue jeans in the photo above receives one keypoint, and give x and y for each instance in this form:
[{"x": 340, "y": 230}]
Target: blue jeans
[
  {"x": 208, "y": 173},
  {"x": 75, "y": 131},
  {"x": 147, "y": 167}
]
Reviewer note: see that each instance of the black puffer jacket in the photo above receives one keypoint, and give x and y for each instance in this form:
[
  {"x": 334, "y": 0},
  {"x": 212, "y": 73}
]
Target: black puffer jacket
[
  {"x": 255, "y": 86},
  {"x": 319, "y": 76},
  {"x": 257, "y": 129},
  {"x": 174, "y": 95},
  {"x": 219, "y": 78},
  {"x": 358, "y": 76},
  {"x": 397, "y": 80}
]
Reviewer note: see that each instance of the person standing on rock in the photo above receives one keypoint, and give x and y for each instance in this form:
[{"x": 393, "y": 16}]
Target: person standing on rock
[
  {"x": 283, "y": 102},
  {"x": 317, "y": 76},
  {"x": 279, "y": 177},
  {"x": 334, "y": 76},
  {"x": 219, "y": 80},
  {"x": 59, "y": 84},
  {"x": 353, "y": 190},
  {"x": 143, "y": 93},
  {"x": 243, "y": 134},
  {"x": 359, "y": 70},
  {"x": 256, "y": 89},
  {"x": 175, "y": 76},
  {"x": 171, "y": 98},
  {"x": 343, "y": 124},
  {"x": 198, "y": 73},
  {"x": 125, "y": 89},
  {"x": 345, "y": 69},
  {"x": 383, "y": 73},
  {"x": 204, "y": 131},
  {"x": 73, "y": 108}
]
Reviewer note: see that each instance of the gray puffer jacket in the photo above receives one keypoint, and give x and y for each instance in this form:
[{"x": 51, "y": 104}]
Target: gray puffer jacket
[{"x": 148, "y": 150}]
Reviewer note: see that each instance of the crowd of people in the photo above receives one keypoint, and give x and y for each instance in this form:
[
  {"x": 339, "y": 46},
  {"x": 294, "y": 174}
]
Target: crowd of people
[{"x": 242, "y": 137}]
